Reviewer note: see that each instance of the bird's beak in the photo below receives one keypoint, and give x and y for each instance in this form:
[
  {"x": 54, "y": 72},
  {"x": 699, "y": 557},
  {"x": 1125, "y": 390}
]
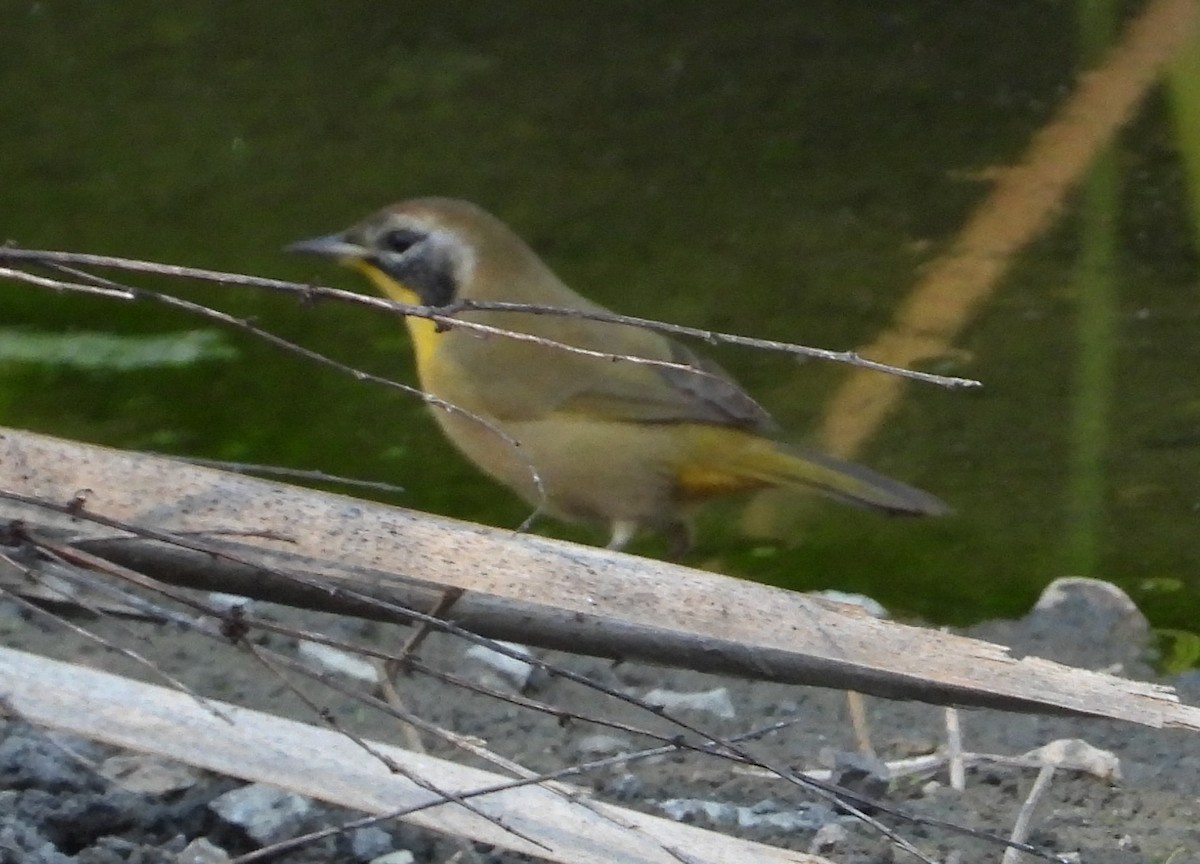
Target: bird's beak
[{"x": 331, "y": 246}]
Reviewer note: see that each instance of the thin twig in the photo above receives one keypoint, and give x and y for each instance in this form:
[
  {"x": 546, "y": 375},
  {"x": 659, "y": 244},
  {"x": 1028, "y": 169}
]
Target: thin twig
[
  {"x": 856, "y": 705},
  {"x": 1021, "y": 826},
  {"x": 309, "y": 474},
  {"x": 449, "y": 315},
  {"x": 954, "y": 751},
  {"x": 386, "y": 670},
  {"x": 714, "y": 337}
]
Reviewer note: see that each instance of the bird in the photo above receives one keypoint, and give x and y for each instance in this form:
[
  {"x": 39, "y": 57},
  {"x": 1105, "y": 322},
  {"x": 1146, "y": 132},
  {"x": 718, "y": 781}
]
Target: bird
[{"x": 631, "y": 446}]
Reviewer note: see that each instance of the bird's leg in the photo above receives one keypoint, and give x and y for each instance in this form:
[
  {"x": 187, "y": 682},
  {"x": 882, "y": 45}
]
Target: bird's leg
[
  {"x": 622, "y": 532},
  {"x": 679, "y": 540}
]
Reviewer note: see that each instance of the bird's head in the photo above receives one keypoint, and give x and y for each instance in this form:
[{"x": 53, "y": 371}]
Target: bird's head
[{"x": 431, "y": 251}]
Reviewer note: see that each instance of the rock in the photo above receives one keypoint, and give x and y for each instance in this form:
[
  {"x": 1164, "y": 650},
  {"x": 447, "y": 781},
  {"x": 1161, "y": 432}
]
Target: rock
[
  {"x": 715, "y": 701},
  {"x": 598, "y": 746},
  {"x": 861, "y": 601},
  {"x": 201, "y": 851},
  {"x": 828, "y": 836},
  {"x": 48, "y": 761},
  {"x": 266, "y": 813},
  {"x": 1075, "y": 754},
  {"x": 24, "y": 841},
  {"x": 336, "y": 660},
  {"x": 764, "y": 814},
  {"x": 229, "y": 602},
  {"x": 148, "y": 775},
  {"x": 370, "y": 843},
  {"x": 1080, "y": 622},
  {"x": 625, "y": 787},
  {"x": 400, "y": 856},
  {"x": 865, "y": 775},
  {"x": 687, "y": 809},
  {"x": 513, "y": 672}
]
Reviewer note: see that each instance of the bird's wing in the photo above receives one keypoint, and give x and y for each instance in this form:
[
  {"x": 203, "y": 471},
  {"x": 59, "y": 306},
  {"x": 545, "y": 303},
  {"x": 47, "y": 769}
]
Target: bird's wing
[
  {"x": 518, "y": 380},
  {"x": 636, "y": 392}
]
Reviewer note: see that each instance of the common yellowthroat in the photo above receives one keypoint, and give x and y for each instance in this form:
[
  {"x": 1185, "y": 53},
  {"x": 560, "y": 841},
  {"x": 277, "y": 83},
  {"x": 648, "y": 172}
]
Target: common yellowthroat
[{"x": 628, "y": 445}]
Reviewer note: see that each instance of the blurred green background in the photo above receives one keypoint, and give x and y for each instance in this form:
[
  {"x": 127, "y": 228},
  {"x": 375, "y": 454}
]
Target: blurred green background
[{"x": 776, "y": 170}]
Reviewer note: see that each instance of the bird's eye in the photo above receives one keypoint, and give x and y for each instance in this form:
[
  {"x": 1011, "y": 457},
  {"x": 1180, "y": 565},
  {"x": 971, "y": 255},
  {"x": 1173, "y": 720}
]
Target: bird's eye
[{"x": 400, "y": 240}]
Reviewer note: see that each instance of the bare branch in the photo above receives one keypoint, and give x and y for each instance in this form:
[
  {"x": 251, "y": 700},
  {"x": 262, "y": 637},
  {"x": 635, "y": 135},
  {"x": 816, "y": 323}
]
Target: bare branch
[{"x": 450, "y": 316}]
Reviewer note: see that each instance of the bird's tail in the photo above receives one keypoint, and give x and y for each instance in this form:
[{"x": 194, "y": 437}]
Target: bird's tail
[{"x": 728, "y": 459}]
